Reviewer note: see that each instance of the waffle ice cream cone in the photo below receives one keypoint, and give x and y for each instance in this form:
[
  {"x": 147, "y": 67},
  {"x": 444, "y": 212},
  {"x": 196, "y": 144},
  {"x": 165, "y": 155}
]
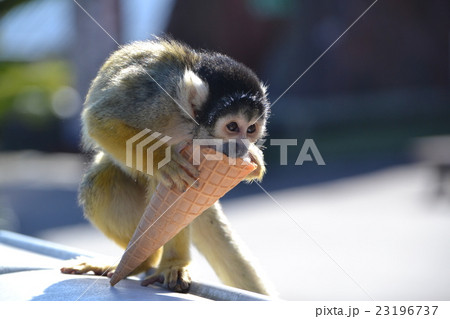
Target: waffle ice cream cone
[{"x": 170, "y": 210}]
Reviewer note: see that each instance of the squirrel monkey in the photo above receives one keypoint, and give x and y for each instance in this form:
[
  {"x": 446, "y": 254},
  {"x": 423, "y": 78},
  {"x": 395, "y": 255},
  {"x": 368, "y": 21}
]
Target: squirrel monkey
[{"x": 167, "y": 87}]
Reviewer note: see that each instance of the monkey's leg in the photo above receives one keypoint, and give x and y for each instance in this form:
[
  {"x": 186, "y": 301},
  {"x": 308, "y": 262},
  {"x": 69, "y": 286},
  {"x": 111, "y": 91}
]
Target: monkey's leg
[
  {"x": 114, "y": 202},
  {"x": 213, "y": 237},
  {"x": 173, "y": 269}
]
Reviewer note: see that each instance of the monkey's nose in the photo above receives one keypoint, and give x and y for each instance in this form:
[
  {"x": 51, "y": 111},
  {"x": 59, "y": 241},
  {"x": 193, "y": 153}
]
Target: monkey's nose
[{"x": 235, "y": 148}]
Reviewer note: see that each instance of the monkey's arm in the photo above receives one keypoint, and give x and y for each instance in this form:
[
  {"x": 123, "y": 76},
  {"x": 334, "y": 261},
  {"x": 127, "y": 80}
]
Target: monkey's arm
[{"x": 112, "y": 134}]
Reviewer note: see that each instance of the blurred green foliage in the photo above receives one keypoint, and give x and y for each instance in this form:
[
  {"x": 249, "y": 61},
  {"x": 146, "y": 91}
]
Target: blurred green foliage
[
  {"x": 38, "y": 79},
  {"x": 26, "y": 91}
]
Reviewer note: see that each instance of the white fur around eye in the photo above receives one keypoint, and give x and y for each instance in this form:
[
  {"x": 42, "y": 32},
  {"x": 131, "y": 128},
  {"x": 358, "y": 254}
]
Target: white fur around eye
[{"x": 192, "y": 91}]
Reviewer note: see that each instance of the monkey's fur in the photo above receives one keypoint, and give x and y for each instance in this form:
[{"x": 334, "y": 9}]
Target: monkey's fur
[{"x": 164, "y": 85}]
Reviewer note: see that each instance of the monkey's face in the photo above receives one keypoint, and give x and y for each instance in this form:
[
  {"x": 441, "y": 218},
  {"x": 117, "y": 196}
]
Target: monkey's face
[
  {"x": 231, "y": 106},
  {"x": 238, "y": 131},
  {"x": 237, "y": 119}
]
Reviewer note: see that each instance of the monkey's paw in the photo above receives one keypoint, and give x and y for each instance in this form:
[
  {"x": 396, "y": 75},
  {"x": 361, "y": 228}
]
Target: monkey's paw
[
  {"x": 175, "y": 278},
  {"x": 179, "y": 172},
  {"x": 82, "y": 265}
]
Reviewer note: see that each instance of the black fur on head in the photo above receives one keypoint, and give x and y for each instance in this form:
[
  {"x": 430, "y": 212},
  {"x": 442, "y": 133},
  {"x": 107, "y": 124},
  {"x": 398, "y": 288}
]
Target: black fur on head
[{"x": 232, "y": 86}]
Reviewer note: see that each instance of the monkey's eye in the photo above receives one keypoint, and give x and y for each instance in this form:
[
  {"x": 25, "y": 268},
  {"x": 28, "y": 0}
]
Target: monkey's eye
[
  {"x": 232, "y": 127},
  {"x": 251, "y": 129}
]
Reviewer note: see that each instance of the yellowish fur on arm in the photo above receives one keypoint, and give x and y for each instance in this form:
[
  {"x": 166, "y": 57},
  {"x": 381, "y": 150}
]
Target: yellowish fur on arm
[{"x": 112, "y": 136}]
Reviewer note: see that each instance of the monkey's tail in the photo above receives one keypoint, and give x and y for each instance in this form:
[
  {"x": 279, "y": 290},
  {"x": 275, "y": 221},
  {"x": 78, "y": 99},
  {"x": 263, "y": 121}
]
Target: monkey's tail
[{"x": 213, "y": 237}]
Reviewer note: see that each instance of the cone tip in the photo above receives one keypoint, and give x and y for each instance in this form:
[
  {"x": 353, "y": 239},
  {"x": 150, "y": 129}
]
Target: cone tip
[{"x": 114, "y": 280}]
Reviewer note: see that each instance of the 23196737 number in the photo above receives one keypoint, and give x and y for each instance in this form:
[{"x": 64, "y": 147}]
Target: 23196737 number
[{"x": 405, "y": 311}]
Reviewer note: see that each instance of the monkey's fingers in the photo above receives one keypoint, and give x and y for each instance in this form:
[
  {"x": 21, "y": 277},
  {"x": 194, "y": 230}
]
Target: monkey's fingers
[
  {"x": 83, "y": 269},
  {"x": 179, "y": 280},
  {"x": 166, "y": 180},
  {"x": 174, "y": 278},
  {"x": 184, "y": 180},
  {"x": 187, "y": 165},
  {"x": 152, "y": 279},
  {"x": 174, "y": 175},
  {"x": 83, "y": 265}
]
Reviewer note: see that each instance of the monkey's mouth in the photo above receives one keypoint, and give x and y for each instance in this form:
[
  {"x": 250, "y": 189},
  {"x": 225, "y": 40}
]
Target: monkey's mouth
[{"x": 235, "y": 149}]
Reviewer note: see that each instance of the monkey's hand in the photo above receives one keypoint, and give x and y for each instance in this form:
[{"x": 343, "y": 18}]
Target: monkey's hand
[
  {"x": 175, "y": 278},
  {"x": 257, "y": 157},
  {"x": 178, "y": 172},
  {"x": 83, "y": 265}
]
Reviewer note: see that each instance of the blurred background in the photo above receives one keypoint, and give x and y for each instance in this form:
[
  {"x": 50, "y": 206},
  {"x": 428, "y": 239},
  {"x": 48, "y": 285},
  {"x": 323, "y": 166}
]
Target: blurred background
[{"x": 374, "y": 222}]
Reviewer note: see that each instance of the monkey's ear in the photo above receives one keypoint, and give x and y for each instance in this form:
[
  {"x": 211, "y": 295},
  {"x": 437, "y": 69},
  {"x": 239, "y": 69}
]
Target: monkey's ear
[{"x": 192, "y": 92}]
